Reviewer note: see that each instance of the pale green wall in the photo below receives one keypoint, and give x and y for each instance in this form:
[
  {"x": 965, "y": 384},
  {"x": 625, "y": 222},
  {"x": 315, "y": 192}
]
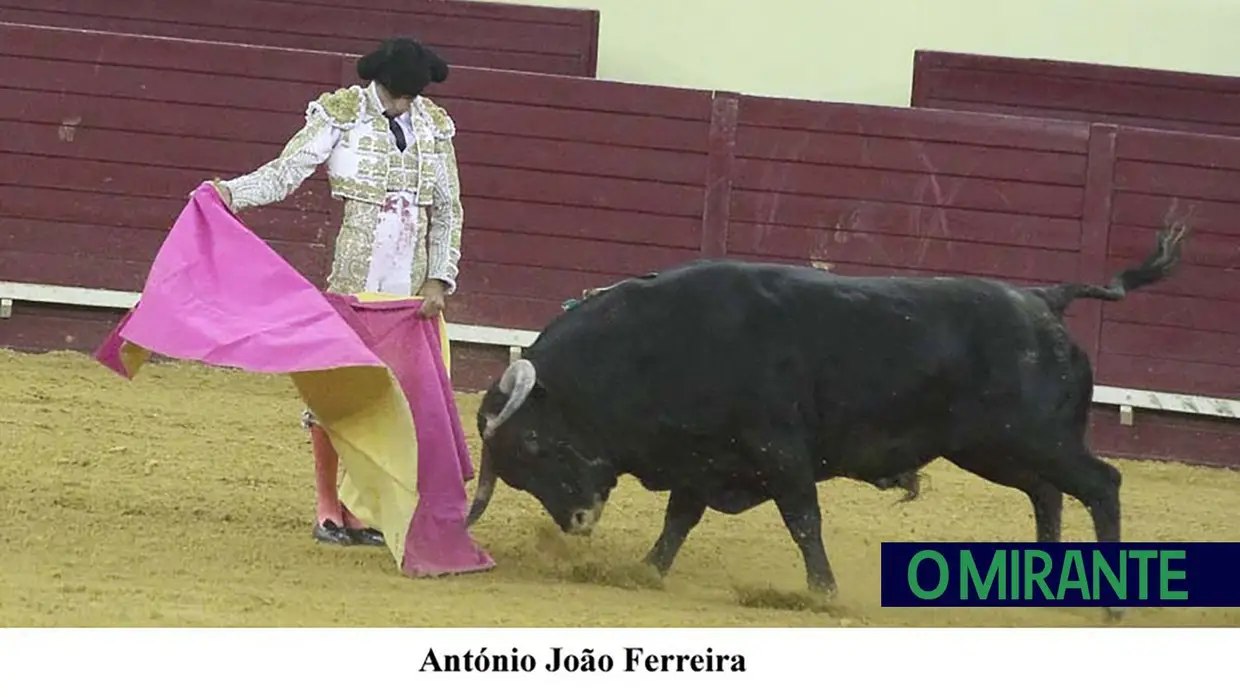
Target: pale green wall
[{"x": 862, "y": 50}]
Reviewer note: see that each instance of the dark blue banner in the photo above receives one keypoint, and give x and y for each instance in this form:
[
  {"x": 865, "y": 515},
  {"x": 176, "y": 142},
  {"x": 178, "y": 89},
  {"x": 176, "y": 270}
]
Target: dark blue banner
[{"x": 1068, "y": 574}]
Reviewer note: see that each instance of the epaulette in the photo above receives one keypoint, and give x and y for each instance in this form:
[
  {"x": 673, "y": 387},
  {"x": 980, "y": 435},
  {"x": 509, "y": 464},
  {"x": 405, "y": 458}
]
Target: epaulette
[
  {"x": 343, "y": 106},
  {"x": 439, "y": 115}
]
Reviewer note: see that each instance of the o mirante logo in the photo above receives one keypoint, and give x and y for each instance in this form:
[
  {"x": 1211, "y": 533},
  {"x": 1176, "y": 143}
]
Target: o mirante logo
[{"x": 1197, "y": 574}]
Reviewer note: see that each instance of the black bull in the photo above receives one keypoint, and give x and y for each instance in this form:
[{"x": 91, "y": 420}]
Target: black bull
[{"x": 729, "y": 384}]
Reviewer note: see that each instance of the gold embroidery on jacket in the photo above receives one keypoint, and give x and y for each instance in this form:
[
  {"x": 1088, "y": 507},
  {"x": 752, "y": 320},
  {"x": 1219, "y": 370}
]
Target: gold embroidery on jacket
[
  {"x": 353, "y": 249},
  {"x": 418, "y": 273},
  {"x": 349, "y": 118}
]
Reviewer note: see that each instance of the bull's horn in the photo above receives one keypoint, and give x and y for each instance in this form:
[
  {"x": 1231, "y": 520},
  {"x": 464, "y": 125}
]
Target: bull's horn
[
  {"x": 516, "y": 382},
  {"x": 486, "y": 487}
]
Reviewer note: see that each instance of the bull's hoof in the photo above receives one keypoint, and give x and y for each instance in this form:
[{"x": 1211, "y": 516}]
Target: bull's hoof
[
  {"x": 661, "y": 571},
  {"x": 824, "y": 589}
]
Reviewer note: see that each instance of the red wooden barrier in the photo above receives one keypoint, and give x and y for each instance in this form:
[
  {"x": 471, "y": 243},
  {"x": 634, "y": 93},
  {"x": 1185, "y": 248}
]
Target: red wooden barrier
[
  {"x": 106, "y": 135},
  {"x": 560, "y": 41},
  {"x": 875, "y": 190},
  {"x": 1178, "y": 337},
  {"x": 1162, "y": 99},
  {"x": 572, "y": 183},
  {"x": 1183, "y": 335}
]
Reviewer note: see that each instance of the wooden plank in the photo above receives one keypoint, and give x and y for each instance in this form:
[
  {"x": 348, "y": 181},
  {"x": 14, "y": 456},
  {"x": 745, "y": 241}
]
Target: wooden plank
[
  {"x": 1078, "y": 115},
  {"x": 71, "y": 45},
  {"x": 911, "y": 155},
  {"x": 579, "y": 126},
  {"x": 55, "y": 328},
  {"x": 73, "y": 268},
  {"x": 717, "y": 199},
  {"x": 899, "y": 253},
  {"x": 1127, "y": 339},
  {"x": 235, "y": 125},
  {"x": 1095, "y": 222},
  {"x": 491, "y": 10},
  {"x": 1176, "y": 311},
  {"x": 475, "y": 367},
  {"x": 909, "y": 188},
  {"x": 515, "y": 280},
  {"x": 890, "y": 218},
  {"x": 145, "y": 213},
  {"x": 1188, "y": 280},
  {"x": 115, "y": 242},
  {"x": 459, "y": 55},
  {"x": 511, "y": 37},
  {"x": 1168, "y": 375},
  {"x": 158, "y": 86},
  {"x": 546, "y": 155},
  {"x": 918, "y": 124},
  {"x": 195, "y": 156},
  {"x": 1167, "y": 146},
  {"x": 82, "y": 267},
  {"x": 1155, "y": 436},
  {"x": 1059, "y": 91},
  {"x": 502, "y": 310},
  {"x": 556, "y": 221},
  {"x": 1077, "y": 325},
  {"x": 1076, "y": 91},
  {"x": 1147, "y": 211},
  {"x": 570, "y": 253},
  {"x": 1178, "y": 180},
  {"x": 87, "y": 175},
  {"x": 1093, "y": 71},
  {"x": 574, "y": 190},
  {"x": 572, "y": 93},
  {"x": 1203, "y": 249}
]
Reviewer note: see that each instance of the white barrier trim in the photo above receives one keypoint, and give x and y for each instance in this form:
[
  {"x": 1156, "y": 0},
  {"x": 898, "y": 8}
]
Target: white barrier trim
[
  {"x": 517, "y": 339},
  {"x": 1166, "y": 401},
  {"x": 513, "y": 339}
]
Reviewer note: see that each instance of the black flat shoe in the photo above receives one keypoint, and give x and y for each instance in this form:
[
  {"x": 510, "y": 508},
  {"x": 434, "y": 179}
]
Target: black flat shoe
[
  {"x": 368, "y": 536},
  {"x": 330, "y": 533}
]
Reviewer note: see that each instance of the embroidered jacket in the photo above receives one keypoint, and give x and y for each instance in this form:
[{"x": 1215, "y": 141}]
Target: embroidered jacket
[{"x": 347, "y": 130}]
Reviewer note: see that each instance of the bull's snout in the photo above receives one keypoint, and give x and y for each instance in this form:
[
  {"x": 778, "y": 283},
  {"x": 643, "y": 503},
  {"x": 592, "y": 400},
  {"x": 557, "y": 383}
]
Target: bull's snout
[
  {"x": 581, "y": 523},
  {"x": 583, "y": 520}
]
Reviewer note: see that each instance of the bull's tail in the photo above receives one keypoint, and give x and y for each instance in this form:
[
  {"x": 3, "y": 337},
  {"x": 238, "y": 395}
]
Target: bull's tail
[{"x": 1157, "y": 266}]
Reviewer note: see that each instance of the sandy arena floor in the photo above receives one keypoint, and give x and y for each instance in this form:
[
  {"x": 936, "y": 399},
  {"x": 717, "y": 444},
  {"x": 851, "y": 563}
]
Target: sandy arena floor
[{"x": 186, "y": 498}]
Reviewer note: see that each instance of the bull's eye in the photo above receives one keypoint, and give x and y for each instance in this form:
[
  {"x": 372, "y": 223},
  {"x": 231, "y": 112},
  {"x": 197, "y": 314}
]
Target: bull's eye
[{"x": 529, "y": 440}]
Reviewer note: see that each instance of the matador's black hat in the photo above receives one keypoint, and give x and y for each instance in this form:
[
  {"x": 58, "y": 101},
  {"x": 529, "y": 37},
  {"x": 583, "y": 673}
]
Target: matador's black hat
[{"x": 404, "y": 66}]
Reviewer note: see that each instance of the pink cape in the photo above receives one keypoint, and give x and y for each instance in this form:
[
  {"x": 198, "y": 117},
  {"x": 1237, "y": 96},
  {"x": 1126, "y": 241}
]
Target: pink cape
[{"x": 218, "y": 294}]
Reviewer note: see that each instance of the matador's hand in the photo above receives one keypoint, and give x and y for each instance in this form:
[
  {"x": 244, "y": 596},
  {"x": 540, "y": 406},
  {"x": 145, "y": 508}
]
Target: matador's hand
[
  {"x": 223, "y": 191},
  {"x": 433, "y": 298}
]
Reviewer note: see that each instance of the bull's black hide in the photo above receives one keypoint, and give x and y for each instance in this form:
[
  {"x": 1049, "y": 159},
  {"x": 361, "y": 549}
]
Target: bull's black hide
[{"x": 729, "y": 384}]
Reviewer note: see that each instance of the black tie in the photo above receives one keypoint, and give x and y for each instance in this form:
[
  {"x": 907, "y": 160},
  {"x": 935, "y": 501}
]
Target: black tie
[{"x": 398, "y": 132}]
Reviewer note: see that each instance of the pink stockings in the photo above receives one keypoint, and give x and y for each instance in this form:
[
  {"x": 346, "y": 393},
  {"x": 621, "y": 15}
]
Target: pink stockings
[{"x": 326, "y": 466}]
